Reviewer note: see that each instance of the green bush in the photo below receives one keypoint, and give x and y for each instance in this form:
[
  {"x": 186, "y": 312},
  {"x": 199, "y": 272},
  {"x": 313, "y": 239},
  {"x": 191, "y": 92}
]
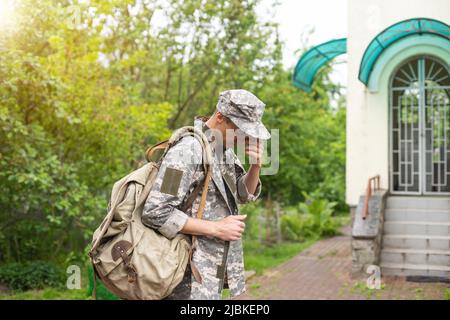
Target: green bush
[
  {"x": 313, "y": 219},
  {"x": 320, "y": 215},
  {"x": 294, "y": 227},
  {"x": 31, "y": 275}
]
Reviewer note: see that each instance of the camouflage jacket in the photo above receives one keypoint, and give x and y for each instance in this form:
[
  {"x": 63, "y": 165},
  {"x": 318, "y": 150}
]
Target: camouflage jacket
[{"x": 217, "y": 261}]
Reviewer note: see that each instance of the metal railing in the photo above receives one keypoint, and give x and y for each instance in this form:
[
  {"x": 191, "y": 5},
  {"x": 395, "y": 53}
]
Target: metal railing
[{"x": 375, "y": 180}]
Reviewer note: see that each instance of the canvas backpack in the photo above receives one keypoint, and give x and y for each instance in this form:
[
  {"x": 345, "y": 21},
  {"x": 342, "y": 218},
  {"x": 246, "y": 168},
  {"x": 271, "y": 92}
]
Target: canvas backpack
[{"x": 136, "y": 262}]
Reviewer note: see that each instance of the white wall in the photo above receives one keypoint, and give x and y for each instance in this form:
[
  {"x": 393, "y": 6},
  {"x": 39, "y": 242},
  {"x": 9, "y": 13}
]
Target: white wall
[{"x": 367, "y": 113}]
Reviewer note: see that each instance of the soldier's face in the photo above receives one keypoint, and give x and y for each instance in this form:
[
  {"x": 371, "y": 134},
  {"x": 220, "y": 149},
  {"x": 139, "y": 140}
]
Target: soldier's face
[
  {"x": 227, "y": 129},
  {"x": 232, "y": 134}
]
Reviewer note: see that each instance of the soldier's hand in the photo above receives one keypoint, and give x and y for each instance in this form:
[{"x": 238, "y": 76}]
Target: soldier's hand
[
  {"x": 254, "y": 150},
  {"x": 230, "y": 228}
]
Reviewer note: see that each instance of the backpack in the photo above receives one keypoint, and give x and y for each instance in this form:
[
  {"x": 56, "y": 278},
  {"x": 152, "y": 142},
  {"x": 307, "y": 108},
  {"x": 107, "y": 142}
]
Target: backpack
[{"x": 136, "y": 262}]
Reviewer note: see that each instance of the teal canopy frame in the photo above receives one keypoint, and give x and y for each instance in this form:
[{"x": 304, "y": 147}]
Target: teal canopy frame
[
  {"x": 312, "y": 60},
  {"x": 394, "y": 33}
]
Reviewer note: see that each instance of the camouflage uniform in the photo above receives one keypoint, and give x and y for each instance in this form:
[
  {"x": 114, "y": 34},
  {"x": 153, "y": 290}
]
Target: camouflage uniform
[{"x": 219, "y": 262}]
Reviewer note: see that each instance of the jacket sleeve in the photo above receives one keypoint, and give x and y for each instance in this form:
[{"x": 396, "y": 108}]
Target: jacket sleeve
[
  {"x": 171, "y": 185},
  {"x": 244, "y": 196}
]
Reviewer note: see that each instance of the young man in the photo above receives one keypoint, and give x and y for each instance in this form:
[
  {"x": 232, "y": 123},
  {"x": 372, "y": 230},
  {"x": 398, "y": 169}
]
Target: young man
[{"x": 218, "y": 256}]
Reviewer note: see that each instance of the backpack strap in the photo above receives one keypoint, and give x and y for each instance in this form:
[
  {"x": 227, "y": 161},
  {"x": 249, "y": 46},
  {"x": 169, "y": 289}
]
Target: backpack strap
[
  {"x": 190, "y": 200},
  {"x": 150, "y": 151},
  {"x": 194, "y": 269}
]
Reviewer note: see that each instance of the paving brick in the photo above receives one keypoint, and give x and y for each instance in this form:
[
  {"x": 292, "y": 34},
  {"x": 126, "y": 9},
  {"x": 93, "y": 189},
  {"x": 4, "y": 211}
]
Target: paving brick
[{"x": 323, "y": 271}]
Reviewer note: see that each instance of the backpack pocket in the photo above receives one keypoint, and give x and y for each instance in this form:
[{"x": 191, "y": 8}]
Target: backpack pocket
[
  {"x": 163, "y": 261},
  {"x": 118, "y": 250}
]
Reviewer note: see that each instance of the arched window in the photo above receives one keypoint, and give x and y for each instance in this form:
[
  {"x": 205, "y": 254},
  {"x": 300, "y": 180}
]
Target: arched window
[{"x": 420, "y": 127}]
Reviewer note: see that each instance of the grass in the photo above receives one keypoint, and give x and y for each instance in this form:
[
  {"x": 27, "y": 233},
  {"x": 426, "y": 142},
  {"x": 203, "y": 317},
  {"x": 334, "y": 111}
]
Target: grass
[
  {"x": 418, "y": 294},
  {"x": 447, "y": 294},
  {"x": 225, "y": 294},
  {"x": 259, "y": 258},
  {"x": 360, "y": 287},
  {"x": 48, "y": 294}
]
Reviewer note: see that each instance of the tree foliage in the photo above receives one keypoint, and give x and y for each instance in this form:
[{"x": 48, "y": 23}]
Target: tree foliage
[{"x": 87, "y": 86}]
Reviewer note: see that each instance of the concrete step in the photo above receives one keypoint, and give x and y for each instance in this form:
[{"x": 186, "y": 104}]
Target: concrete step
[
  {"x": 407, "y": 241},
  {"x": 400, "y": 269},
  {"x": 416, "y": 240},
  {"x": 430, "y": 215},
  {"x": 419, "y": 202},
  {"x": 414, "y": 256},
  {"x": 417, "y": 228}
]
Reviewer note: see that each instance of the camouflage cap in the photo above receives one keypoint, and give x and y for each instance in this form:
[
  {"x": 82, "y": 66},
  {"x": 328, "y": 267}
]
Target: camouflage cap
[{"x": 245, "y": 110}]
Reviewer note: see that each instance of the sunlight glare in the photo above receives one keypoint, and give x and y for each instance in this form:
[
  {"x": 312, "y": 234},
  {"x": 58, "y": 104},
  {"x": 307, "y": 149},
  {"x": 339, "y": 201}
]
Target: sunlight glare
[{"x": 7, "y": 14}]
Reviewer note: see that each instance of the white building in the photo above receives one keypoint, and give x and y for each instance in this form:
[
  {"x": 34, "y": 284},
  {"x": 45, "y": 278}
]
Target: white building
[{"x": 398, "y": 128}]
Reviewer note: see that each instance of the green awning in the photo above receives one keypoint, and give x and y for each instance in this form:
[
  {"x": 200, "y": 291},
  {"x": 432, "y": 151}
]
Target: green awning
[
  {"x": 396, "y": 32},
  {"x": 312, "y": 60}
]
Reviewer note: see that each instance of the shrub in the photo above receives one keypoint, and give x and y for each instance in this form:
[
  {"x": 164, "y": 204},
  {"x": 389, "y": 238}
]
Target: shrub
[
  {"x": 31, "y": 275},
  {"x": 293, "y": 227},
  {"x": 320, "y": 215},
  {"x": 313, "y": 218}
]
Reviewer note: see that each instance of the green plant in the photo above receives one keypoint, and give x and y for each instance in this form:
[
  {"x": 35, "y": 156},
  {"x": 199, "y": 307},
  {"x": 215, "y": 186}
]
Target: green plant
[
  {"x": 295, "y": 227},
  {"x": 313, "y": 219},
  {"x": 447, "y": 294},
  {"x": 320, "y": 215},
  {"x": 419, "y": 294},
  {"x": 31, "y": 275}
]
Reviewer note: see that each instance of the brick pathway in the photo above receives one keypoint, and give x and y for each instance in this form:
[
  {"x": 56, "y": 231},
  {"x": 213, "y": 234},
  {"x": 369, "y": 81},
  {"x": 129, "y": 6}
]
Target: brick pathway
[{"x": 323, "y": 272}]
